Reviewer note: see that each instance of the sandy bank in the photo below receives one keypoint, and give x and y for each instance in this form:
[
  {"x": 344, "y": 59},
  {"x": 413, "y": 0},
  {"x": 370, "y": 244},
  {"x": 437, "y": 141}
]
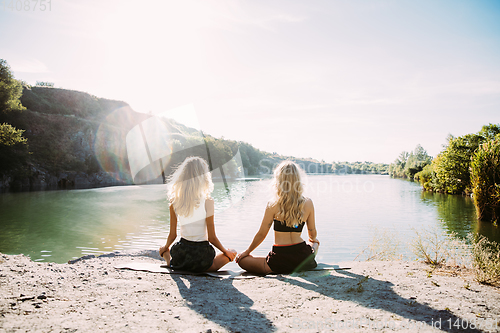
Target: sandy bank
[{"x": 90, "y": 295}]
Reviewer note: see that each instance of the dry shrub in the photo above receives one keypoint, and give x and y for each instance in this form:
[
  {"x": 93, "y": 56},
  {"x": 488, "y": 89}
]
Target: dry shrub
[
  {"x": 437, "y": 247},
  {"x": 485, "y": 259}
]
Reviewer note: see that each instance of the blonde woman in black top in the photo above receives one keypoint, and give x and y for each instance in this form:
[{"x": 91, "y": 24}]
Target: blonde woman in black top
[{"x": 288, "y": 212}]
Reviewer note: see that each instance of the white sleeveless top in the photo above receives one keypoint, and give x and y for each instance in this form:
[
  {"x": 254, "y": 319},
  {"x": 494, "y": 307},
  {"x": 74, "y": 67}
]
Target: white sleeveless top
[{"x": 194, "y": 227}]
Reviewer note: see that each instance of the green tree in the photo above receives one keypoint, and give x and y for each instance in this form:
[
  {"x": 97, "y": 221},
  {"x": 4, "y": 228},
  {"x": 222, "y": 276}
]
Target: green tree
[
  {"x": 485, "y": 176},
  {"x": 13, "y": 148},
  {"x": 416, "y": 161},
  {"x": 10, "y": 90},
  {"x": 396, "y": 169},
  {"x": 490, "y": 131},
  {"x": 409, "y": 163},
  {"x": 450, "y": 171},
  {"x": 452, "y": 167}
]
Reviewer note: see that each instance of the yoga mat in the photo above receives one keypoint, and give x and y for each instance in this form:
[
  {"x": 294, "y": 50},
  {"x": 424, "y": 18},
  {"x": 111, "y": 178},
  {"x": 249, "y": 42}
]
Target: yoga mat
[
  {"x": 156, "y": 268},
  {"x": 224, "y": 274}
]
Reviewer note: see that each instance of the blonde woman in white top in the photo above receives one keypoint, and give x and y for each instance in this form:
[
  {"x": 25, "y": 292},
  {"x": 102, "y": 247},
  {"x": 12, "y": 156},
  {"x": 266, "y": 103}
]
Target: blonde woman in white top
[{"x": 193, "y": 209}]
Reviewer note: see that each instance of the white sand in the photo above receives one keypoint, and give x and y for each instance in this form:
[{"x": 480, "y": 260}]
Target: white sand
[{"x": 90, "y": 295}]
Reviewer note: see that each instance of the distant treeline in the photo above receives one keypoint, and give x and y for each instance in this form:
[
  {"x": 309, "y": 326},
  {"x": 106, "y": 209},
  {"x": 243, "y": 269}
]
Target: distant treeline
[
  {"x": 257, "y": 162},
  {"x": 468, "y": 164},
  {"x": 360, "y": 168}
]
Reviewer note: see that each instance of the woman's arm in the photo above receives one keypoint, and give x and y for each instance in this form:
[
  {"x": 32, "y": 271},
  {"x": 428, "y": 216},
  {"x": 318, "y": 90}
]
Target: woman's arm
[
  {"x": 172, "y": 235},
  {"x": 212, "y": 237},
  {"x": 266, "y": 224},
  {"x": 311, "y": 224}
]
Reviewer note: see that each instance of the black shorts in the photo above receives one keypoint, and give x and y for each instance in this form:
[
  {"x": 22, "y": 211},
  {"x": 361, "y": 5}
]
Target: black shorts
[
  {"x": 291, "y": 258},
  {"x": 192, "y": 256}
]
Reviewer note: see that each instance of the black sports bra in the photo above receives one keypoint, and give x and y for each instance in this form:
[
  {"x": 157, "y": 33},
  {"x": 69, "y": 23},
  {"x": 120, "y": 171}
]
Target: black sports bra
[{"x": 280, "y": 226}]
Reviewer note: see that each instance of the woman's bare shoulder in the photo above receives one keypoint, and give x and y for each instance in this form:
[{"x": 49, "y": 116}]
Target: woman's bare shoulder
[
  {"x": 209, "y": 206},
  {"x": 271, "y": 205},
  {"x": 272, "y": 208},
  {"x": 308, "y": 201},
  {"x": 308, "y": 204}
]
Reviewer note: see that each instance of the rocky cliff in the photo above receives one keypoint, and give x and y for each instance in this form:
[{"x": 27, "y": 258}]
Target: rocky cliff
[{"x": 75, "y": 140}]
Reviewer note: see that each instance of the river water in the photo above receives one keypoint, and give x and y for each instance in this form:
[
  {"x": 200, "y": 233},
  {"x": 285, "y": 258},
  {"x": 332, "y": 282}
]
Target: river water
[{"x": 61, "y": 225}]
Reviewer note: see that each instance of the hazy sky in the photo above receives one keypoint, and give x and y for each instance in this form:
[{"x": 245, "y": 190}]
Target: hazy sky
[{"x": 335, "y": 80}]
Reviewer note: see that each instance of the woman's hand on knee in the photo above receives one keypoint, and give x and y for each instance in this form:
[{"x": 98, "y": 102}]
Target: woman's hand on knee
[
  {"x": 242, "y": 255},
  {"x": 314, "y": 244},
  {"x": 231, "y": 254},
  {"x": 314, "y": 241}
]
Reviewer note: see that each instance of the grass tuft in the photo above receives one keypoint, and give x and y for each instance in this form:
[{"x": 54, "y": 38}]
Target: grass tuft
[
  {"x": 359, "y": 288},
  {"x": 384, "y": 246}
]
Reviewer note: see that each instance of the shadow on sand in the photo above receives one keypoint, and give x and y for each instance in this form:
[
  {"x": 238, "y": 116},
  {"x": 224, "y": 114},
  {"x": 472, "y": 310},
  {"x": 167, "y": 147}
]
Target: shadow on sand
[
  {"x": 205, "y": 296},
  {"x": 372, "y": 294}
]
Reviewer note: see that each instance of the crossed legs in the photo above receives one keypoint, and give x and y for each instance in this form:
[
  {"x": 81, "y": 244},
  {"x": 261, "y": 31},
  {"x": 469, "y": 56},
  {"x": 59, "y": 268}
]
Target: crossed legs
[
  {"x": 219, "y": 261},
  {"x": 257, "y": 265}
]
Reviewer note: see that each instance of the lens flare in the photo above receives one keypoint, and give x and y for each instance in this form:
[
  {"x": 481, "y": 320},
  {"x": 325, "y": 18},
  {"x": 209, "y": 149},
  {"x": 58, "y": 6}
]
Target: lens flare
[
  {"x": 149, "y": 150},
  {"x": 156, "y": 145},
  {"x": 109, "y": 149}
]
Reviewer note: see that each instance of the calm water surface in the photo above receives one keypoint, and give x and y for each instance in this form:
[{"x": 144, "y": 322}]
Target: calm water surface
[{"x": 61, "y": 225}]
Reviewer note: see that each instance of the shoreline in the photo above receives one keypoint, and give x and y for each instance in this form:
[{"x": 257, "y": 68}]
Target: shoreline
[
  {"x": 20, "y": 188},
  {"x": 90, "y": 294}
]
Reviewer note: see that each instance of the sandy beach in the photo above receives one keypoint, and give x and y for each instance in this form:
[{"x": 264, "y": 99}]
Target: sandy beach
[{"x": 91, "y": 295}]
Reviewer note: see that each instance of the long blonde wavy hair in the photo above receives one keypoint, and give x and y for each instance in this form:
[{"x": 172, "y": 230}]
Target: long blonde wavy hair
[
  {"x": 287, "y": 187},
  {"x": 189, "y": 184}
]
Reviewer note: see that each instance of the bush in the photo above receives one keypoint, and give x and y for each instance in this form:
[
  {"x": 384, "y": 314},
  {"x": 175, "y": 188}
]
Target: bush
[
  {"x": 425, "y": 177},
  {"x": 485, "y": 259},
  {"x": 485, "y": 177}
]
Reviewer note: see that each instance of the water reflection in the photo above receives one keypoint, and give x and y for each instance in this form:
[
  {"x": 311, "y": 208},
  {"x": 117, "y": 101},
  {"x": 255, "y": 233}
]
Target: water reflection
[
  {"x": 457, "y": 214},
  {"x": 78, "y": 222},
  {"x": 60, "y": 225}
]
